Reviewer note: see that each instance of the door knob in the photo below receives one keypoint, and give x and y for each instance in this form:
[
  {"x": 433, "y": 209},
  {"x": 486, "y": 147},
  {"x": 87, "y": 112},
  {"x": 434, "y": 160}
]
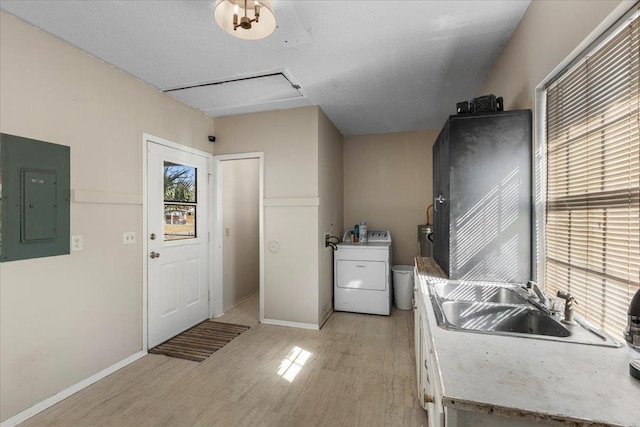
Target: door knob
[{"x": 154, "y": 255}]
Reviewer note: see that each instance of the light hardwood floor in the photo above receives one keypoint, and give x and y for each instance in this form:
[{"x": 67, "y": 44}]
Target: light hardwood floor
[{"x": 360, "y": 371}]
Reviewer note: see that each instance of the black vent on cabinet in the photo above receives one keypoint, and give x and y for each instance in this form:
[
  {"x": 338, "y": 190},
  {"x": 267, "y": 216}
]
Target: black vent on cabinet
[{"x": 481, "y": 104}]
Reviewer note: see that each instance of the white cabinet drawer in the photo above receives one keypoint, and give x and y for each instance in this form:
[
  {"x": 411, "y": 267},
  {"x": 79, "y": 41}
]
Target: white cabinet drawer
[{"x": 370, "y": 275}]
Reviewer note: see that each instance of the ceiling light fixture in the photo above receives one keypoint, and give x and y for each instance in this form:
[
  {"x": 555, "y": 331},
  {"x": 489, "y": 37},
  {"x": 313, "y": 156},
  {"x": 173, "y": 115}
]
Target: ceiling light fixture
[{"x": 249, "y": 20}]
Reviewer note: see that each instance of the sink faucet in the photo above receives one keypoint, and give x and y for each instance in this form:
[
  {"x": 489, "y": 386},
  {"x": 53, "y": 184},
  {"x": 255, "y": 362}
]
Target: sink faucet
[
  {"x": 568, "y": 307},
  {"x": 535, "y": 292},
  {"x": 537, "y": 297}
]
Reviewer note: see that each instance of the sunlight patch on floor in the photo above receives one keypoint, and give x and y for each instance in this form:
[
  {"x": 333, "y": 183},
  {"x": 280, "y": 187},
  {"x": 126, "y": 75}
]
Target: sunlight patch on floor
[{"x": 293, "y": 363}]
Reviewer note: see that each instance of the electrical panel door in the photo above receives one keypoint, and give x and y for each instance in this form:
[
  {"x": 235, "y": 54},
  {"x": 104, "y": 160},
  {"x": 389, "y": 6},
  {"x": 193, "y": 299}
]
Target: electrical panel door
[{"x": 35, "y": 198}]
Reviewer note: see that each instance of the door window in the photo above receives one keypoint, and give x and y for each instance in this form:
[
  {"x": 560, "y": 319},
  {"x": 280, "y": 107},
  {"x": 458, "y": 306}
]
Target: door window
[{"x": 180, "y": 201}]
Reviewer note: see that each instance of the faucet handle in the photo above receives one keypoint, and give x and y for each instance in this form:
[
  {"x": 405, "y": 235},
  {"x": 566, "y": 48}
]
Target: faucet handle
[{"x": 535, "y": 292}]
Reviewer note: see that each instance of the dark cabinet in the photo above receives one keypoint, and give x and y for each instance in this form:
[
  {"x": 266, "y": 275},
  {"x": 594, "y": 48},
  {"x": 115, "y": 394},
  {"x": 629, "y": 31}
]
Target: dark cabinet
[{"x": 482, "y": 197}]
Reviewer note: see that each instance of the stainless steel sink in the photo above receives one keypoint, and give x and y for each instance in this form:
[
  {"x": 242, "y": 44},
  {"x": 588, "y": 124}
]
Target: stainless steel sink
[
  {"x": 503, "y": 309},
  {"x": 489, "y": 317},
  {"x": 467, "y": 291}
]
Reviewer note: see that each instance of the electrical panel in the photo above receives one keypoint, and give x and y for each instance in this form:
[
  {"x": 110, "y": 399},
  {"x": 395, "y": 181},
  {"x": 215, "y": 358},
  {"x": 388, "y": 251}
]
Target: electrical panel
[{"x": 34, "y": 197}]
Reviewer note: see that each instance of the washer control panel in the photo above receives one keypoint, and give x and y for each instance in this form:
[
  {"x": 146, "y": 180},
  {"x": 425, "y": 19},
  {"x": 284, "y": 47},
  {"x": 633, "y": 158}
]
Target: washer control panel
[
  {"x": 373, "y": 236},
  {"x": 379, "y": 236}
]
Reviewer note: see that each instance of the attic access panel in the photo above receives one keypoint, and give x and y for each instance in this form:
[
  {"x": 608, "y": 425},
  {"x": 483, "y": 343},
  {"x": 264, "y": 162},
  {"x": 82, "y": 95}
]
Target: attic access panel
[
  {"x": 34, "y": 198},
  {"x": 222, "y": 96}
]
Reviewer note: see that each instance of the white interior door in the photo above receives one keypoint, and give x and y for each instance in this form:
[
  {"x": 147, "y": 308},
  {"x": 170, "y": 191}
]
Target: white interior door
[{"x": 177, "y": 241}]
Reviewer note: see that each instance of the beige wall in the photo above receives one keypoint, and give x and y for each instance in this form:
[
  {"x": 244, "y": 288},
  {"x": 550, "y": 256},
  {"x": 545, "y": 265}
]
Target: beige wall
[
  {"x": 289, "y": 140},
  {"x": 388, "y": 184},
  {"x": 65, "y": 318},
  {"x": 291, "y": 274},
  {"x": 330, "y": 189},
  {"x": 548, "y": 32},
  {"x": 240, "y": 223}
]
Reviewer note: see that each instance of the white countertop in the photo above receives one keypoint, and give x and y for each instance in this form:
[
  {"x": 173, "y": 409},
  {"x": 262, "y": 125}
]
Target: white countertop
[{"x": 536, "y": 379}]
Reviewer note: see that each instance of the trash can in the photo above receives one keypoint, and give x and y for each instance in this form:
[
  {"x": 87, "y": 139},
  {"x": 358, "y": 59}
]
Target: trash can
[{"x": 403, "y": 286}]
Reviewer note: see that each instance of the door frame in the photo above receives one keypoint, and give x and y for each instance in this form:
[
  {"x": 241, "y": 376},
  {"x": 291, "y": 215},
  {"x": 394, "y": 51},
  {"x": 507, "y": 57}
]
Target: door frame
[
  {"x": 216, "y": 267},
  {"x": 146, "y": 138}
]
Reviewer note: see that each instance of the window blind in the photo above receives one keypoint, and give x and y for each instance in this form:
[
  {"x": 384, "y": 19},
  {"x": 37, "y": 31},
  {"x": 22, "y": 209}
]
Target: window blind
[{"x": 592, "y": 222}]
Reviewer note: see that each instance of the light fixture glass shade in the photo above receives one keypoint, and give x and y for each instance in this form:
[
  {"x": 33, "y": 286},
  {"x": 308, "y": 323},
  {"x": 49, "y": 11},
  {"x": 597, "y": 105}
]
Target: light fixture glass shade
[{"x": 223, "y": 13}]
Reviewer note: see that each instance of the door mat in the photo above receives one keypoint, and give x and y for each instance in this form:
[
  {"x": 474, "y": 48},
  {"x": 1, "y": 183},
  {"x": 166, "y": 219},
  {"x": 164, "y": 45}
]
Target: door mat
[{"x": 201, "y": 341}]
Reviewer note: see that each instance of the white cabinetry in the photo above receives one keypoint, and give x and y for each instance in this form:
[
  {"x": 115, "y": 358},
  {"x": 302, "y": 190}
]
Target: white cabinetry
[{"x": 428, "y": 378}]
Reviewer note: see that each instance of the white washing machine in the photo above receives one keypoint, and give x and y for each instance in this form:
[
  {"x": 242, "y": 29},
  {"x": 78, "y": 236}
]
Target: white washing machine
[{"x": 362, "y": 275}]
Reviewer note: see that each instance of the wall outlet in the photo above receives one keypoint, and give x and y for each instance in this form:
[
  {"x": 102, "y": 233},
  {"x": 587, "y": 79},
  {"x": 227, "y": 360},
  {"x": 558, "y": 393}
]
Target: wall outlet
[
  {"x": 129, "y": 237},
  {"x": 326, "y": 240},
  {"x": 76, "y": 243}
]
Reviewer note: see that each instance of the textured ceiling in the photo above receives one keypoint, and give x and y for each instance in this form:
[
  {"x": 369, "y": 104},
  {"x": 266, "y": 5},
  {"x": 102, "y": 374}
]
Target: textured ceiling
[{"x": 372, "y": 66}]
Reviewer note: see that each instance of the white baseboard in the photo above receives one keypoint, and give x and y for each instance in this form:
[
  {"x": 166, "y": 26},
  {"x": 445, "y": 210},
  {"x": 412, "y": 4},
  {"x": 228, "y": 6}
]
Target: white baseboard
[
  {"x": 237, "y": 303},
  {"x": 288, "y": 324},
  {"x": 39, "y": 407},
  {"x": 326, "y": 317}
]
